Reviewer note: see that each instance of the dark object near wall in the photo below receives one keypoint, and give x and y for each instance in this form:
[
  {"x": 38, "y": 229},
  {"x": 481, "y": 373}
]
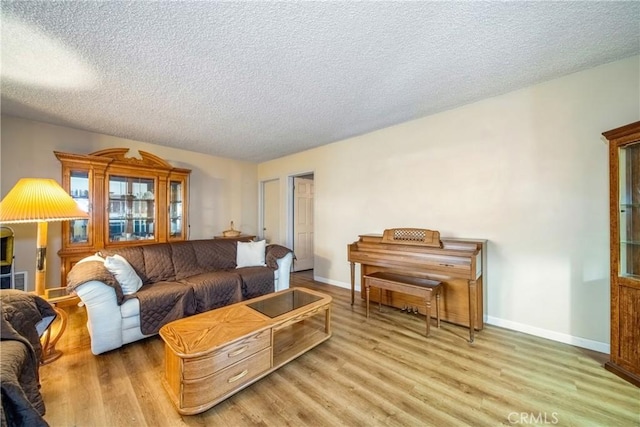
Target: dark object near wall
[{"x": 23, "y": 318}]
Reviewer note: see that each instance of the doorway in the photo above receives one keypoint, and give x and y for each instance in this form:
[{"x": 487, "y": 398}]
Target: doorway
[{"x": 302, "y": 221}]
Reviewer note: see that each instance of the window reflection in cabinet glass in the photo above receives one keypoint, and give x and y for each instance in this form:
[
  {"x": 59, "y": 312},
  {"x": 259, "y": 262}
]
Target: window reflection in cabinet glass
[
  {"x": 175, "y": 208},
  {"x": 79, "y": 190},
  {"x": 629, "y": 164},
  {"x": 131, "y": 208}
]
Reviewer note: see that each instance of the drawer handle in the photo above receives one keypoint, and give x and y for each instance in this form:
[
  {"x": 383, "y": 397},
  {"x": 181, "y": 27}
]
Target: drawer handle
[
  {"x": 238, "y": 351},
  {"x": 237, "y": 377}
]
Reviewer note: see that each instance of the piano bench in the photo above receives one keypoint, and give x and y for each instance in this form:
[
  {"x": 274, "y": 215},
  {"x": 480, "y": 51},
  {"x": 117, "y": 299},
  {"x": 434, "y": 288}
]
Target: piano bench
[{"x": 415, "y": 286}]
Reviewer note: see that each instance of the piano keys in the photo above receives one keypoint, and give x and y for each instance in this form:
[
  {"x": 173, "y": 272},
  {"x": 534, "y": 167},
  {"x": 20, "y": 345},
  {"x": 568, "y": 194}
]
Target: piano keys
[{"x": 457, "y": 263}]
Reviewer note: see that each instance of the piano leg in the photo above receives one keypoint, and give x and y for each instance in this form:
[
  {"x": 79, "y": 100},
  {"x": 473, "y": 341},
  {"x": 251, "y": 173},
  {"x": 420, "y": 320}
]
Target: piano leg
[
  {"x": 368, "y": 291},
  {"x": 353, "y": 281},
  {"x": 438, "y": 308},
  {"x": 427, "y": 304},
  {"x": 472, "y": 310}
]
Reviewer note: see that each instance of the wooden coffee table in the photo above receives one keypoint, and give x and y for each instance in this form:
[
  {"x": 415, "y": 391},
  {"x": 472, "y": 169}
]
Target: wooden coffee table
[{"x": 211, "y": 356}]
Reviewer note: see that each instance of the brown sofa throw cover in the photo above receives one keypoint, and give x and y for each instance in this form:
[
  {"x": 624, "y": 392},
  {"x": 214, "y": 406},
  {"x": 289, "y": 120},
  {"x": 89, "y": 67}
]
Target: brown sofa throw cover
[
  {"x": 163, "y": 302},
  {"x": 174, "y": 261},
  {"x": 86, "y": 271},
  {"x": 215, "y": 289},
  {"x": 20, "y": 353},
  {"x": 274, "y": 253},
  {"x": 183, "y": 278}
]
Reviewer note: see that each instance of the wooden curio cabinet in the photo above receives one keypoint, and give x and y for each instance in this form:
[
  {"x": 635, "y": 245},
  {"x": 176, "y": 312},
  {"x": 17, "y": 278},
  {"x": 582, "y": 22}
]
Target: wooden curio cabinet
[
  {"x": 624, "y": 180},
  {"x": 130, "y": 201}
]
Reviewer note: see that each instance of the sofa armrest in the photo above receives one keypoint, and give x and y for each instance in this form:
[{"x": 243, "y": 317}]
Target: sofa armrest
[
  {"x": 284, "y": 271},
  {"x": 104, "y": 319}
]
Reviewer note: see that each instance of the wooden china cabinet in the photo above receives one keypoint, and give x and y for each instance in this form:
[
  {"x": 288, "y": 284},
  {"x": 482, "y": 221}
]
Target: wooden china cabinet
[
  {"x": 624, "y": 181},
  {"x": 130, "y": 201}
]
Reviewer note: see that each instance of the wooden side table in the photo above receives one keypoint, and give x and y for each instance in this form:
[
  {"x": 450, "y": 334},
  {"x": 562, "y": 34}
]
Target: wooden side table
[
  {"x": 58, "y": 298},
  {"x": 240, "y": 238}
]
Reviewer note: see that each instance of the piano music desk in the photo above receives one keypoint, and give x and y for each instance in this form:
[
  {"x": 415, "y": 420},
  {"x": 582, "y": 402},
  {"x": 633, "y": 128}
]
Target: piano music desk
[{"x": 407, "y": 285}]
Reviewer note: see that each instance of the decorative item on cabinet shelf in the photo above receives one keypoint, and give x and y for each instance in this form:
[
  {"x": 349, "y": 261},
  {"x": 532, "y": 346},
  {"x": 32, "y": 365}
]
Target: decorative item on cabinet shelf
[
  {"x": 231, "y": 232},
  {"x": 80, "y": 194},
  {"x": 176, "y": 191}
]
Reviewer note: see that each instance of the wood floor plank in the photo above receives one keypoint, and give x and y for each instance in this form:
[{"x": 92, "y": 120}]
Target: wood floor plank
[{"x": 380, "y": 371}]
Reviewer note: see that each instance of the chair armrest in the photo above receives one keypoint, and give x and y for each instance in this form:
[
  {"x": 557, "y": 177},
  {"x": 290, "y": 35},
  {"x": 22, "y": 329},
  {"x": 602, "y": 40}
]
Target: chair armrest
[
  {"x": 104, "y": 318},
  {"x": 284, "y": 271}
]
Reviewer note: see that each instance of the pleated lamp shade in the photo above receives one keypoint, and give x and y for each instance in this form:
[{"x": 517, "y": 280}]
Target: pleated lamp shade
[{"x": 37, "y": 200}]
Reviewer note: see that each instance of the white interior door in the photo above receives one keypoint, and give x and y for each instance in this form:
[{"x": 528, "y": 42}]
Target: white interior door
[
  {"x": 271, "y": 212},
  {"x": 303, "y": 223}
]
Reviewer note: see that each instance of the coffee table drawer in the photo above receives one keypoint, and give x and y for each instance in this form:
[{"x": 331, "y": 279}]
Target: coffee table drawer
[
  {"x": 209, "y": 389},
  {"x": 226, "y": 356}
]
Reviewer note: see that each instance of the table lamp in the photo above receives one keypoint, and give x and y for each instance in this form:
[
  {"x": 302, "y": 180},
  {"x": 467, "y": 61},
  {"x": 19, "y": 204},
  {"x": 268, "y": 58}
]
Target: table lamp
[{"x": 39, "y": 200}]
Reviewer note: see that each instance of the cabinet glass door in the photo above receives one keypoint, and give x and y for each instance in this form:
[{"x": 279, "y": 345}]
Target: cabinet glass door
[
  {"x": 132, "y": 210},
  {"x": 629, "y": 164},
  {"x": 176, "y": 211},
  {"x": 79, "y": 190}
]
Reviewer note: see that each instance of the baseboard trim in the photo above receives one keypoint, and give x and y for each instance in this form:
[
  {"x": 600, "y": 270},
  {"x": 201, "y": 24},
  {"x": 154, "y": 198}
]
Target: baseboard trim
[
  {"x": 622, "y": 373},
  {"x": 334, "y": 283},
  {"x": 515, "y": 326},
  {"x": 552, "y": 335}
]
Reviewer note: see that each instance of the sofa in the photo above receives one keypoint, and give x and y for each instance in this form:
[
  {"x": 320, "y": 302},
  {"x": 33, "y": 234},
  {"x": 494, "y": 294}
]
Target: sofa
[
  {"x": 24, "y": 318},
  {"x": 159, "y": 283}
]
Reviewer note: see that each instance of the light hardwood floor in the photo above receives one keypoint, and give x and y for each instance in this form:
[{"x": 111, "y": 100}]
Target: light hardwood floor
[{"x": 376, "y": 371}]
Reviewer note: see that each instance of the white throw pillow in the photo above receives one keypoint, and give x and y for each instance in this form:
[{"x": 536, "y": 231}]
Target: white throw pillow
[
  {"x": 129, "y": 281},
  {"x": 251, "y": 254}
]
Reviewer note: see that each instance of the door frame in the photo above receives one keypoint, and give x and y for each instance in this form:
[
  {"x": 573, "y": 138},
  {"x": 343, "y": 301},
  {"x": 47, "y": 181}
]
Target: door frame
[{"x": 291, "y": 207}]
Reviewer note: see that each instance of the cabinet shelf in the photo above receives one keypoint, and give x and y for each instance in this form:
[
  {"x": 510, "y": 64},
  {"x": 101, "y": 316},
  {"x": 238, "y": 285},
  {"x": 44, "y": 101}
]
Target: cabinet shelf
[
  {"x": 129, "y": 218},
  {"x": 130, "y": 201}
]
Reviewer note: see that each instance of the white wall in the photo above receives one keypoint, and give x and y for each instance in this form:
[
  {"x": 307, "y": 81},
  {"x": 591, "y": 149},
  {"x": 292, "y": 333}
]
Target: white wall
[
  {"x": 526, "y": 170},
  {"x": 222, "y": 190}
]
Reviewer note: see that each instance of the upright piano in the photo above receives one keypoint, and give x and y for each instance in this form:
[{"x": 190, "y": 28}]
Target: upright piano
[{"x": 457, "y": 263}]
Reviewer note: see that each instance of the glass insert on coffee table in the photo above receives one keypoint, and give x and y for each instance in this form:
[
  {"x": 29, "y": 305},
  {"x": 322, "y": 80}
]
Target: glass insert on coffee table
[{"x": 280, "y": 304}]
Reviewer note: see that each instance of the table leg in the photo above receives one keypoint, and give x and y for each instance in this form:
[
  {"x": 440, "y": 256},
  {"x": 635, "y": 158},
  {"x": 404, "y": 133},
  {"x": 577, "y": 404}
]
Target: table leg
[
  {"x": 327, "y": 321},
  {"x": 51, "y": 337},
  {"x": 438, "y": 308},
  {"x": 427, "y": 303},
  {"x": 368, "y": 290},
  {"x": 353, "y": 280},
  {"x": 472, "y": 310}
]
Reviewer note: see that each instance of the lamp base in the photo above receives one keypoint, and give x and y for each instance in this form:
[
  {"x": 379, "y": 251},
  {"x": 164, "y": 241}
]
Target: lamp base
[{"x": 41, "y": 258}]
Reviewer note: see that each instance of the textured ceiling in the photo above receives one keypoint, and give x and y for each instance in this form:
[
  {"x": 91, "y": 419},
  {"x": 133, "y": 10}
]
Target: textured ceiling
[{"x": 256, "y": 81}]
